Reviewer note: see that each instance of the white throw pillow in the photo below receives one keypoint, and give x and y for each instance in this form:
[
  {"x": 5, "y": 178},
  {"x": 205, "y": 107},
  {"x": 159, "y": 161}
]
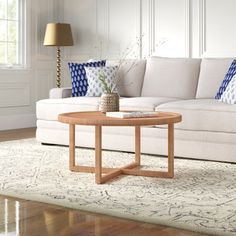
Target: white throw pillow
[
  {"x": 229, "y": 95},
  {"x": 95, "y": 87}
]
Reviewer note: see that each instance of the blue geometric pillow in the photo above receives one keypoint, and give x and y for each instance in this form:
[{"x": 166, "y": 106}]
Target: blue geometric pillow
[
  {"x": 229, "y": 95},
  {"x": 78, "y": 76},
  {"x": 228, "y": 77}
]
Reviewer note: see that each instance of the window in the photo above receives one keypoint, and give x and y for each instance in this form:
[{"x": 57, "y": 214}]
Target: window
[{"x": 11, "y": 33}]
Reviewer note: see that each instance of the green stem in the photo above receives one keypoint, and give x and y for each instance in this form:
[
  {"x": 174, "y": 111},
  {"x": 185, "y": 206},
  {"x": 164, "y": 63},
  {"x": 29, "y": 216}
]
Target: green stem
[{"x": 105, "y": 86}]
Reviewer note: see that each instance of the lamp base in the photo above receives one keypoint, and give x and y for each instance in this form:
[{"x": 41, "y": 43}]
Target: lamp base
[{"x": 58, "y": 67}]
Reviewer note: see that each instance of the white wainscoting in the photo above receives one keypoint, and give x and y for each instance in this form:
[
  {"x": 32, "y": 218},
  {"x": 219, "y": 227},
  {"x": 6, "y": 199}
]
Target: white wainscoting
[
  {"x": 14, "y": 95},
  {"x": 20, "y": 89},
  {"x": 219, "y": 36},
  {"x": 17, "y": 121},
  {"x": 105, "y": 28},
  {"x": 44, "y": 82},
  {"x": 188, "y": 28}
]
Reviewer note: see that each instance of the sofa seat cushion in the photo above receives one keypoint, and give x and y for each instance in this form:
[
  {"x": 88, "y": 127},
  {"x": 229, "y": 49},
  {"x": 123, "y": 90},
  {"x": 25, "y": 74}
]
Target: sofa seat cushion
[
  {"x": 142, "y": 103},
  {"x": 203, "y": 115},
  {"x": 49, "y": 109}
]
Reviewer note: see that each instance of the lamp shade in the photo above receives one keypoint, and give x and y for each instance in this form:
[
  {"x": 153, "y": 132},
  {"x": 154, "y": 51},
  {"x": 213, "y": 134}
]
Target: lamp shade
[{"x": 58, "y": 34}]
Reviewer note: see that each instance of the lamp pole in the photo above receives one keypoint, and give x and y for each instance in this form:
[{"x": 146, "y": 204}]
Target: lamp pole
[{"x": 58, "y": 67}]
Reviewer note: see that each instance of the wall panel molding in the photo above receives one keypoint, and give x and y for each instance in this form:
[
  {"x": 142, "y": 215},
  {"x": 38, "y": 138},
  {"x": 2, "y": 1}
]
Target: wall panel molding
[
  {"x": 152, "y": 30},
  {"x": 44, "y": 16},
  {"x": 188, "y": 33},
  {"x": 17, "y": 121},
  {"x": 202, "y": 28},
  {"x": 14, "y": 95},
  {"x": 106, "y": 15},
  {"x": 192, "y": 23},
  {"x": 136, "y": 28},
  {"x": 46, "y": 79}
]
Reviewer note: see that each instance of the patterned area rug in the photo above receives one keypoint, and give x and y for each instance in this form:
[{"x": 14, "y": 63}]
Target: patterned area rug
[{"x": 201, "y": 197}]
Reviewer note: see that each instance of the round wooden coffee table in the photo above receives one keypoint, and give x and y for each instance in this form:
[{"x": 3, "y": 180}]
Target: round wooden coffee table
[{"x": 98, "y": 119}]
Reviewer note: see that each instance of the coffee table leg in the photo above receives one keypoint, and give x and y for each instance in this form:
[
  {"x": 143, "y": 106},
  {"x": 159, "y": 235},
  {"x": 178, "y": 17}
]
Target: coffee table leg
[
  {"x": 128, "y": 169},
  {"x": 98, "y": 154},
  {"x": 137, "y": 144},
  {"x": 72, "y": 146},
  {"x": 171, "y": 150}
]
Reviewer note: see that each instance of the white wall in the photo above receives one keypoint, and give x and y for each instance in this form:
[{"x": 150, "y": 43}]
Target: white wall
[
  {"x": 20, "y": 89},
  {"x": 103, "y": 29},
  {"x": 188, "y": 28},
  {"x": 193, "y": 28}
]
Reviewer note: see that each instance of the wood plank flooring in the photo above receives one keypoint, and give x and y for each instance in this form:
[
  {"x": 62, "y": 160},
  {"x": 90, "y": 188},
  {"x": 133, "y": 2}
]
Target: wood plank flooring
[{"x": 28, "y": 218}]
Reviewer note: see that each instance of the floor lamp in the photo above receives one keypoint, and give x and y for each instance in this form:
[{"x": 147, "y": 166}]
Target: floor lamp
[{"x": 58, "y": 35}]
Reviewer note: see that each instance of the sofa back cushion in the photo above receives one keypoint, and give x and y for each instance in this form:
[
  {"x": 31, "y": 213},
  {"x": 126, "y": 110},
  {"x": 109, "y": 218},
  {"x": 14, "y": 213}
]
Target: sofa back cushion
[
  {"x": 130, "y": 76},
  {"x": 171, "y": 77},
  {"x": 211, "y": 76}
]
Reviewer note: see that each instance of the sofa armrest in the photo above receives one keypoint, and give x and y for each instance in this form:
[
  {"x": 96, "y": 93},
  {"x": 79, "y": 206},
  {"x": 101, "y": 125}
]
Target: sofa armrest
[{"x": 57, "y": 93}]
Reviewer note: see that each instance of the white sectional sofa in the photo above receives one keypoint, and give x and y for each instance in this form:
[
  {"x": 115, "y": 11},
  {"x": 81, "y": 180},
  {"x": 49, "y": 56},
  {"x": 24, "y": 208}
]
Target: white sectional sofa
[{"x": 187, "y": 86}]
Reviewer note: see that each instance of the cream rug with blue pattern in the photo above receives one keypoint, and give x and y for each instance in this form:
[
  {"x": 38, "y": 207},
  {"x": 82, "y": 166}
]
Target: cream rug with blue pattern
[{"x": 201, "y": 197}]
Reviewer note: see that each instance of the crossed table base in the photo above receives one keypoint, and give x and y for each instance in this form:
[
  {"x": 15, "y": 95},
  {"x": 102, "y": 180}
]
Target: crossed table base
[{"x": 103, "y": 174}]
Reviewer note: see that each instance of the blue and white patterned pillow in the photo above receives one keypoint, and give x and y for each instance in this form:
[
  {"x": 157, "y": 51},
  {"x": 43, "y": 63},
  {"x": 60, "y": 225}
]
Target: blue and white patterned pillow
[
  {"x": 229, "y": 95},
  {"x": 228, "y": 77},
  {"x": 78, "y": 76},
  {"x": 95, "y": 88}
]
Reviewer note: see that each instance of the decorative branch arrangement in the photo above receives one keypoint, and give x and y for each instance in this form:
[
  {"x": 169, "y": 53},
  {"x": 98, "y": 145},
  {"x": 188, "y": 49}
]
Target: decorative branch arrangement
[{"x": 131, "y": 52}]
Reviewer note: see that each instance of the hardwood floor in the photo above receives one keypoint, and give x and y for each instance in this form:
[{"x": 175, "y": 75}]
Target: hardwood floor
[
  {"x": 17, "y": 134},
  {"x": 28, "y": 218}
]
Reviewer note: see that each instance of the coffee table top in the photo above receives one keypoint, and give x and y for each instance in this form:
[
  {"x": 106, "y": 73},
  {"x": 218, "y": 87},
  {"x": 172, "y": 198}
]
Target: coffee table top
[{"x": 99, "y": 118}]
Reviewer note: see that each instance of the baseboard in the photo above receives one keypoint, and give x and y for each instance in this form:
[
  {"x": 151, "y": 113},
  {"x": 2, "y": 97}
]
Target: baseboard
[{"x": 8, "y": 122}]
